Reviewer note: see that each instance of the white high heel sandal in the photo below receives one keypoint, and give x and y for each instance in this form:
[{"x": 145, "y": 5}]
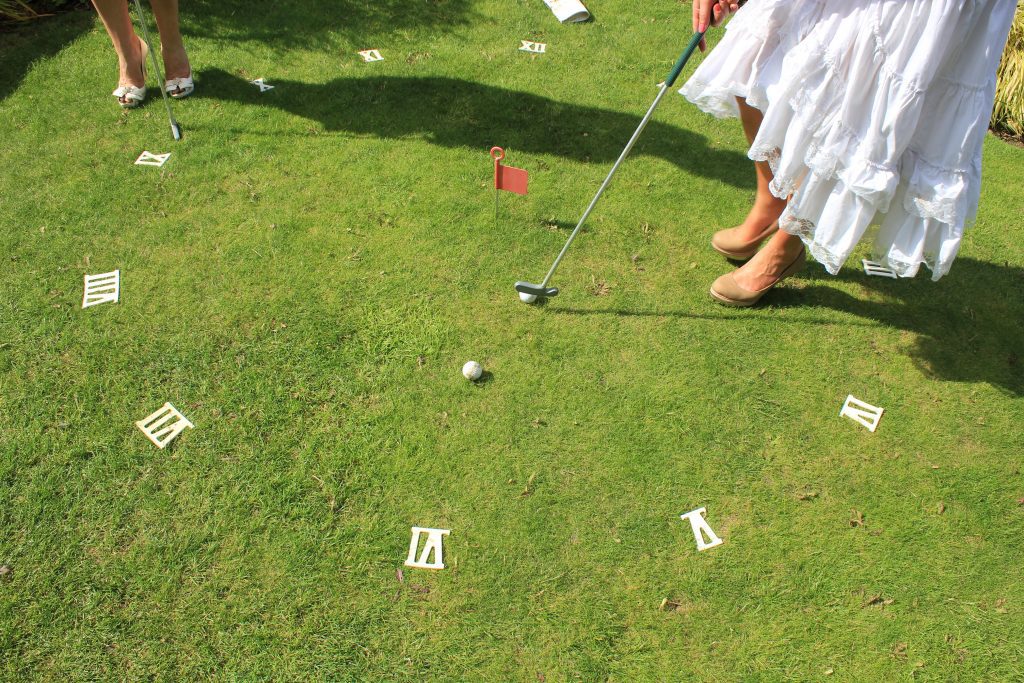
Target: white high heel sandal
[
  {"x": 129, "y": 96},
  {"x": 179, "y": 88}
]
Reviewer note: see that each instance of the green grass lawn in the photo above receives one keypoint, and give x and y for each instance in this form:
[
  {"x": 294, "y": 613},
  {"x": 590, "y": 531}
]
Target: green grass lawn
[{"x": 307, "y": 274}]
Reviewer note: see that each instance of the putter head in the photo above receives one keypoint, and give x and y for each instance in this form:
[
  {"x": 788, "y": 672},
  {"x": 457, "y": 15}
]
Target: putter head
[
  {"x": 175, "y": 130},
  {"x": 536, "y": 290}
]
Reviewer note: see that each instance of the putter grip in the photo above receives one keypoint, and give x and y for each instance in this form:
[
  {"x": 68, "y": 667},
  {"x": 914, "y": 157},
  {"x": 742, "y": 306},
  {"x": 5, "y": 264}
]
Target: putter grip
[{"x": 685, "y": 57}]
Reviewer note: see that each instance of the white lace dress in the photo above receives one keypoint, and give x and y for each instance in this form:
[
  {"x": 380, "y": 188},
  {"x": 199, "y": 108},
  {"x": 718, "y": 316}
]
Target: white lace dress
[{"x": 874, "y": 113}]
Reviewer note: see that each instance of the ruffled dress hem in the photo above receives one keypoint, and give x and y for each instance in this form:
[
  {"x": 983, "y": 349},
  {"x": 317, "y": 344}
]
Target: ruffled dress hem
[{"x": 851, "y": 123}]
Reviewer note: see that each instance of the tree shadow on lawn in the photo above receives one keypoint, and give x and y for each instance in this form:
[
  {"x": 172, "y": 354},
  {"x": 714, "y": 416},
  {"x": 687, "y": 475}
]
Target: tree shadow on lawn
[
  {"x": 23, "y": 45},
  {"x": 458, "y": 113},
  {"x": 969, "y": 325},
  {"x": 292, "y": 24},
  {"x": 305, "y": 23}
]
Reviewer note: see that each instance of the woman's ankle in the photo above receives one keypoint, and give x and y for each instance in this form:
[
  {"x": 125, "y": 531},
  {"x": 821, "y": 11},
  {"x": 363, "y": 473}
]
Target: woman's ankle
[
  {"x": 759, "y": 219},
  {"x": 176, "y": 63},
  {"x": 131, "y": 66},
  {"x": 778, "y": 254}
]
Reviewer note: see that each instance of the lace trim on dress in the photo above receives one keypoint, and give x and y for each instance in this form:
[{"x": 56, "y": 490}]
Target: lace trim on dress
[
  {"x": 920, "y": 197},
  {"x": 719, "y": 101},
  {"x": 805, "y": 229},
  {"x": 944, "y": 194},
  {"x": 936, "y": 191},
  {"x": 910, "y": 268}
]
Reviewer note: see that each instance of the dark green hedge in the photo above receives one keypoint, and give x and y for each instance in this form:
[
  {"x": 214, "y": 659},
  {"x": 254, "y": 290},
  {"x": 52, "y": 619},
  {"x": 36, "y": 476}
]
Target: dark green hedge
[{"x": 26, "y": 10}]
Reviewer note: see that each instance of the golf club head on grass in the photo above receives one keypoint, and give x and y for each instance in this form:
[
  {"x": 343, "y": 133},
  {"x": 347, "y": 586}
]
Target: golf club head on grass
[
  {"x": 536, "y": 290},
  {"x": 176, "y": 130}
]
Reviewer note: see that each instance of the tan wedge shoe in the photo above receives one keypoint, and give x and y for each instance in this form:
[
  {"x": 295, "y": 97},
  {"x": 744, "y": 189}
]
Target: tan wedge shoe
[
  {"x": 728, "y": 243},
  {"x": 727, "y": 292}
]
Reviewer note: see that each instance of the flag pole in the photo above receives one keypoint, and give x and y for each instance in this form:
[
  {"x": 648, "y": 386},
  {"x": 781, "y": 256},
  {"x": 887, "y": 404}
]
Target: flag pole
[{"x": 497, "y": 153}]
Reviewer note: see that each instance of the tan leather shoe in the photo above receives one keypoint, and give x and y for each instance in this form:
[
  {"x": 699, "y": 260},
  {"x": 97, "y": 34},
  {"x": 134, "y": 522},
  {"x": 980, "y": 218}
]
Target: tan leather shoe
[
  {"x": 727, "y": 292},
  {"x": 726, "y": 242}
]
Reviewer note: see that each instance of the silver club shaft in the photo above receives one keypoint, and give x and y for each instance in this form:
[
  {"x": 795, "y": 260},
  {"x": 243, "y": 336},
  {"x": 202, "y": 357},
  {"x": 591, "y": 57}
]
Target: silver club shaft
[
  {"x": 604, "y": 185},
  {"x": 156, "y": 63}
]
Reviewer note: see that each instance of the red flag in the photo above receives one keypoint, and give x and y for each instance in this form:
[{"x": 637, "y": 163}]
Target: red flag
[{"x": 506, "y": 177}]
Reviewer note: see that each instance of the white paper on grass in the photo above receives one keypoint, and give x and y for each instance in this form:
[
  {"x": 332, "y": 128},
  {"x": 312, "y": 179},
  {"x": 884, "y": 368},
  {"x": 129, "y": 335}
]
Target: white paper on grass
[
  {"x": 150, "y": 159},
  {"x": 878, "y": 270},
  {"x": 101, "y": 288},
  {"x": 568, "y": 11},
  {"x": 864, "y": 413},
  {"x": 535, "y": 48},
  {"x": 164, "y": 425},
  {"x": 371, "y": 55},
  {"x": 700, "y": 528},
  {"x": 263, "y": 85},
  {"x": 433, "y": 544}
]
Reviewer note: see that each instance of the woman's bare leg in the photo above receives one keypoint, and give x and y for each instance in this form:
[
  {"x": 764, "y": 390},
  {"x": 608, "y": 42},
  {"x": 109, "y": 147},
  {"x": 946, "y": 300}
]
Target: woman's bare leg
[
  {"x": 117, "y": 21},
  {"x": 782, "y": 249},
  {"x": 767, "y": 207},
  {"x": 176, "y": 63}
]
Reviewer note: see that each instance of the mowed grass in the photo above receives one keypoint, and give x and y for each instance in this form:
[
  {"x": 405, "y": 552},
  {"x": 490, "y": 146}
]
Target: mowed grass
[{"x": 307, "y": 274}]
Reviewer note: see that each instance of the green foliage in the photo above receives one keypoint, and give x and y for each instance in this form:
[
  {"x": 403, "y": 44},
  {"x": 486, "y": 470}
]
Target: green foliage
[
  {"x": 16, "y": 10},
  {"x": 1008, "y": 114}
]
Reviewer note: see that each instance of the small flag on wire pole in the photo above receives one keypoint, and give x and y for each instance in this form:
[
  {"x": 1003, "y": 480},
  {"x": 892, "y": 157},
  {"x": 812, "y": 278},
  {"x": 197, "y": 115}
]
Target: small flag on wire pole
[{"x": 506, "y": 178}]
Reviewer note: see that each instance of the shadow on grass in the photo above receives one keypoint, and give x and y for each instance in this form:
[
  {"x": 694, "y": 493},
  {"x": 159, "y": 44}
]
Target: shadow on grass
[
  {"x": 968, "y": 324},
  {"x": 765, "y": 315},
  {"x": 458, "y": 113},
  {"x": 23, "y": 45},
  {"x": 306, "y": 24},
  {"x": 311, "y": 23}
]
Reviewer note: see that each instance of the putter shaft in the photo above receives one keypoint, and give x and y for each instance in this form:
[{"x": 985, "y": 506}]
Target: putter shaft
[
  {"x": 604, "y": 185},
  {"x": 669, "y": 82},
  {"x": 175, "y": 128}
]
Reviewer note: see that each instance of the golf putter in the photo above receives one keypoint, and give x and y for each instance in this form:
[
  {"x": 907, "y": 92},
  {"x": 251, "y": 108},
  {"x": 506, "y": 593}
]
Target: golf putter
[
  {"x": 544, "y": 289},
  {"x": 175, "y": 128}
]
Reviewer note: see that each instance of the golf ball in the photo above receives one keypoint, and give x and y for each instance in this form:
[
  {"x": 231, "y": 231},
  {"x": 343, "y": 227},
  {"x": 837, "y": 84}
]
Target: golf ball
[
  {"x": 472, "y": 370},
  {"x": 527, "y": 298}
]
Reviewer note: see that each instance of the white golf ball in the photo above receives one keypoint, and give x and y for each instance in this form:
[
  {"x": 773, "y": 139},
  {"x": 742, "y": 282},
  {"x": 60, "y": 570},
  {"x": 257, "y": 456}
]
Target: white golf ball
[
  {"x": 472, "y": 370},
  {"x": 527, "y": 298}
]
